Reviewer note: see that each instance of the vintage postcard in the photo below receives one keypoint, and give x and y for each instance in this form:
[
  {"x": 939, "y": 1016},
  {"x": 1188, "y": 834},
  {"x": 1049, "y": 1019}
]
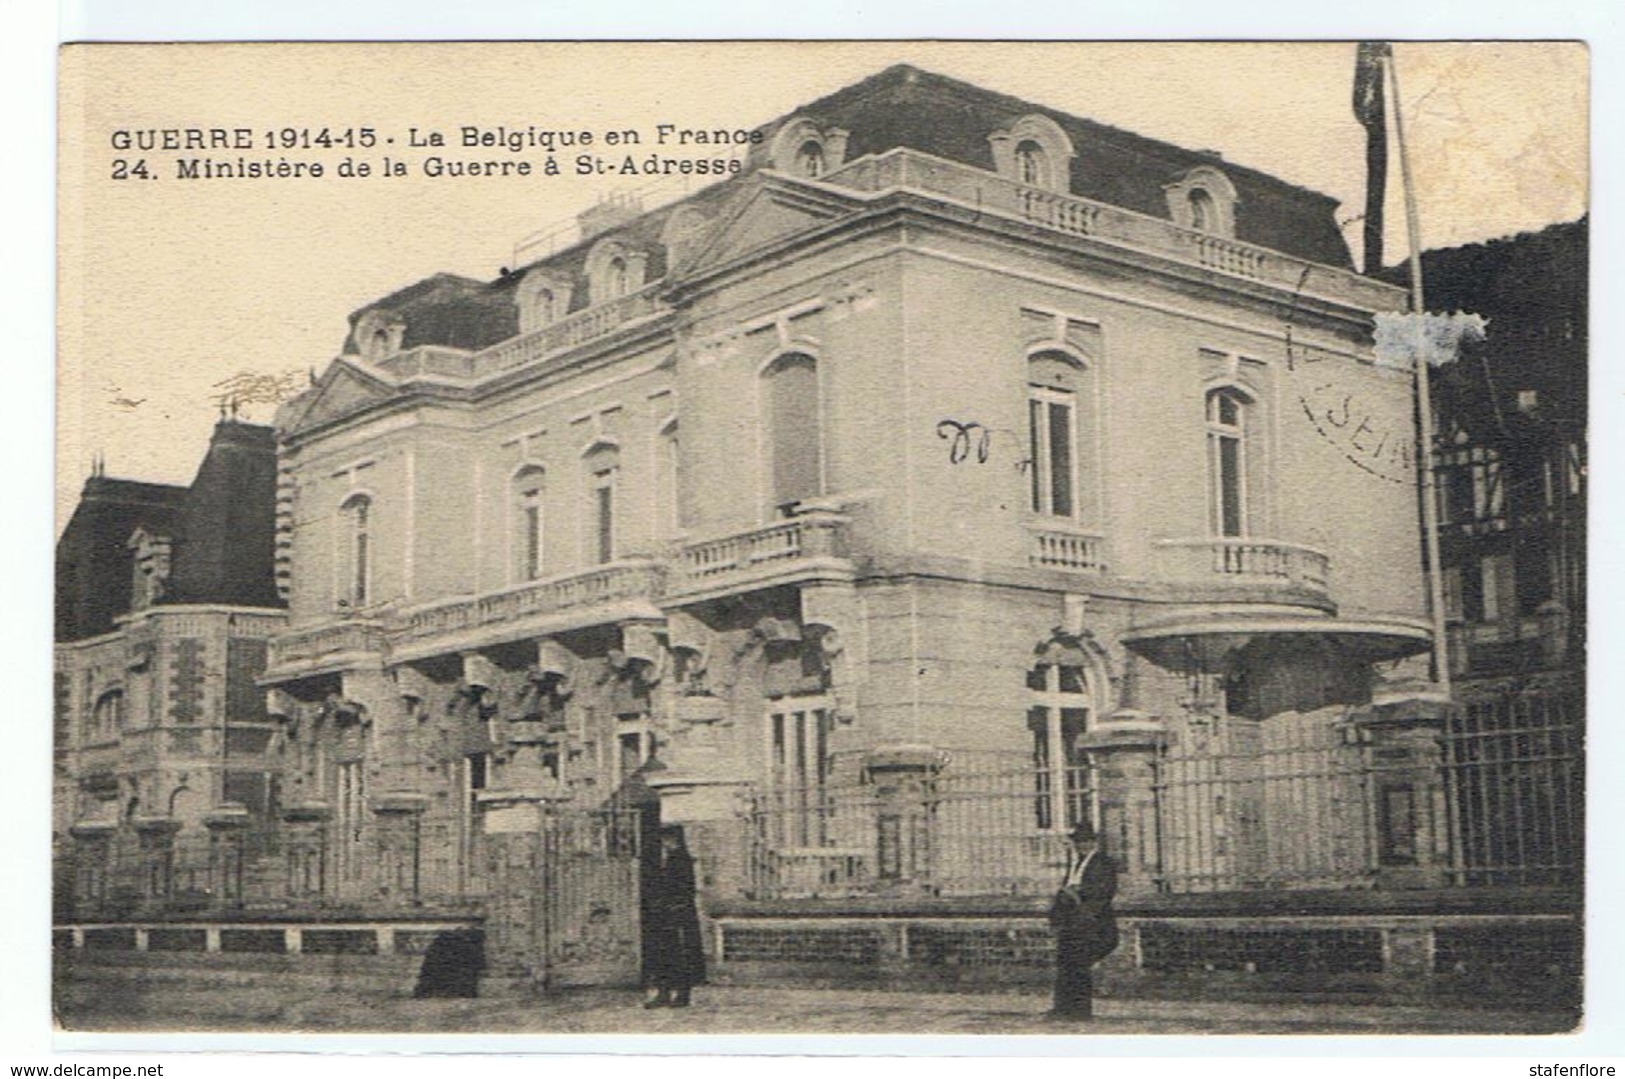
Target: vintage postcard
[{"x": 821, "y": 537}]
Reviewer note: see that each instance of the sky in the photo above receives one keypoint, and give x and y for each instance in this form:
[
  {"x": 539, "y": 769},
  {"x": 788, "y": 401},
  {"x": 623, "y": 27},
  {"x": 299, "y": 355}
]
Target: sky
[{"x": 170, "y": 288}]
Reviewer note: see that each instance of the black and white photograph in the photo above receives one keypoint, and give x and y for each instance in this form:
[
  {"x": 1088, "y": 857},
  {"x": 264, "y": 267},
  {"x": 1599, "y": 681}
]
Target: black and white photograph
[{"x": 821, "y": 537}]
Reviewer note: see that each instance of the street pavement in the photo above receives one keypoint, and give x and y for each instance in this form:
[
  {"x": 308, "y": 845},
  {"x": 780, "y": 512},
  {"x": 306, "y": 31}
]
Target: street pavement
[{"x": 774, "y": 1010}]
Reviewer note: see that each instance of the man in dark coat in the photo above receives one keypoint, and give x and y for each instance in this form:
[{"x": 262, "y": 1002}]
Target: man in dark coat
[
  {"x": 673, "y": 957},
  {"x": 1085, "y": 926}
]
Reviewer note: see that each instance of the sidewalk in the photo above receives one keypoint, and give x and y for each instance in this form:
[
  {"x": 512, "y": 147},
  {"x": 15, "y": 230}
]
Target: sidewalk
[{"x": 764, "y": 1010}]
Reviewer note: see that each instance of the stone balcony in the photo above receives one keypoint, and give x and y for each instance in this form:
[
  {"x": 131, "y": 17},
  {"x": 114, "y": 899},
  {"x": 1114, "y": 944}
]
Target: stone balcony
[
  {"x": 325, "y": 648},
  {"x": 990, "y": 193},
  {"x": 806, "y": 547},
  {"x": 576, "y": 329},
  {"x": 615, "y": 591},
  {"x": 1222, "y": 561}
]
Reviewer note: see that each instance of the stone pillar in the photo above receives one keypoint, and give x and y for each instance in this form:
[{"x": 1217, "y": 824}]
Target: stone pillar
[
  {"x": 909, "y": 854},
  {"x": 714, "y": 811},
  {"x": 1122, "y": 757},
  {"x": 1401, "y": 737},
  {"x": 509, "y": 854}
]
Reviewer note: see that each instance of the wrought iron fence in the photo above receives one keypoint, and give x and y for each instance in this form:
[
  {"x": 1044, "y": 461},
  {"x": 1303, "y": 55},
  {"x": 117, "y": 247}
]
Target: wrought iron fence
[
  {"x": 968, "y": 824},
  {"x": 1492, "y": 797},
  {"x": 1515, "y": 774}
]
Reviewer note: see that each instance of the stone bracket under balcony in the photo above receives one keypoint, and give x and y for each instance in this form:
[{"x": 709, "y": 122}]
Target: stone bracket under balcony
[{"x": 808, "y": 547}]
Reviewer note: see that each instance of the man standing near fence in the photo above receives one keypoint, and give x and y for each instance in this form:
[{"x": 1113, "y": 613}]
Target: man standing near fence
[{"x": 1085, "y": 926}]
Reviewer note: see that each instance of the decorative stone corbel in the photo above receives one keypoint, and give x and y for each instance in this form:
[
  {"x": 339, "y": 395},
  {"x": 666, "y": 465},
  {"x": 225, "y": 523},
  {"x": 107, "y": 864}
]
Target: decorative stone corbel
[
  {"x": 343, "y": 712},
  {"x": 480, "y": 672},
  {"x": 415, "y": 689},
  {"x": 689, "y": 640}
]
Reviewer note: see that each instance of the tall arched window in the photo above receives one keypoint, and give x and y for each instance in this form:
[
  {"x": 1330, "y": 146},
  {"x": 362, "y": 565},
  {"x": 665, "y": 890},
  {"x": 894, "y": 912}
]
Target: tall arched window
[
  {"x": 668, "y": 491},
  {"x": 1058, "y": 717},
  {"x": 1227, "y": 410},
  {"x": 528, "y": 489},
  {"x": 603, "y": 466},
  {"x": 794, "y": 430},
  {"x": 355, "y": 553},
  {"x": 1060, "y": 434}
]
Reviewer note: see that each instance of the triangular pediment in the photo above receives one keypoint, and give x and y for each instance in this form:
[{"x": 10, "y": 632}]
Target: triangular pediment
[
  {"x": 769, "y": 211},
  {"x": 341, "y": 391}
]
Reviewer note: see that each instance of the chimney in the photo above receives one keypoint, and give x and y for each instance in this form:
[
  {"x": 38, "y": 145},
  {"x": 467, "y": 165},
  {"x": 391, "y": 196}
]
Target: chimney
[{"x": 611, "y": 212}]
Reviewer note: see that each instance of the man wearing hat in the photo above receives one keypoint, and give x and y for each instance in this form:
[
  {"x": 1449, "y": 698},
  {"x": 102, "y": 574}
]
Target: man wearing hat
[{"x": 1084, "y": 925}]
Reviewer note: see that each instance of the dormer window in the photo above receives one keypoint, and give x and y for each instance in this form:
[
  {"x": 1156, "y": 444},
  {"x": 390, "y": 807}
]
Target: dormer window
[
  {"x": 378, "y": 335},
  {"x": 1204, "y": 200},
  {"x": 1030, "y": 165},
  {"x": 1204, "y": 215},
  {"x": 1035, "y": 152},
  {"x": 616, "y": 279},
  {"x": 542, "y": 298},
  {"x": 614, "y": 269},
  {"x": 810, "y": 159},
  {"x": 805, "y": 148}
]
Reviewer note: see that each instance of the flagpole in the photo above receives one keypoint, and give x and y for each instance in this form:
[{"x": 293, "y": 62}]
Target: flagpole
[{"x": 1424, "y": 401}]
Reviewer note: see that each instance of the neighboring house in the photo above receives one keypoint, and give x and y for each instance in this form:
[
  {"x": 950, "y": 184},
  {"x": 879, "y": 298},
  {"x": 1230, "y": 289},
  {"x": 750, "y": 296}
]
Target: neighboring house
[
  {"x": 165, "y": 792},
  {"x": 1511, "y": 476}
]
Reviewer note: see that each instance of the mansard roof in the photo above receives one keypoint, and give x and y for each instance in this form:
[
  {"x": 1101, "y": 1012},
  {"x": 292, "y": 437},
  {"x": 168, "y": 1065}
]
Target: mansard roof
[
  {"x": 902, "y": 106},
  {"x": 445, "y": 309},
  {"x": 222, "y": 527}
]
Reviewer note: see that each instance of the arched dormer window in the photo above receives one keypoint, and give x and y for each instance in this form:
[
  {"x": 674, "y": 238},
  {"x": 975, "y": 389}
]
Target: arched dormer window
[
  {"x": 805, "y": 148},
  {"x": 614, "y": 269},
  {"x": 1031, "y": 167},
  {"x": 602, "y": 466},
  {"x": 810, "y": 159},
  {"x": 355, "y": 551},
  {"x": 529, "y": 488},
  {"x": 378, "y": 335},
  {"x": 1205, "y": 200},
  {"x": 1035, "y": 151},
  {"x": 1204, "y": 214},
  {"x": 1059, "y": 715},
  {"x": 543, "y": 298},
  {"x": 794, "y": 428},
  {"x": 1227, "y": 461},
  {"x": 616, "y": 277},
  {"x": 1061, "y": 429}
]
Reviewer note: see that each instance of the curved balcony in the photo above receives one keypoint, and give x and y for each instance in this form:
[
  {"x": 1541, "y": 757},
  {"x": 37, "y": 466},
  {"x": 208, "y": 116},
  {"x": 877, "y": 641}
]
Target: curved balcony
[{"x": 1222, "y": 560}]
